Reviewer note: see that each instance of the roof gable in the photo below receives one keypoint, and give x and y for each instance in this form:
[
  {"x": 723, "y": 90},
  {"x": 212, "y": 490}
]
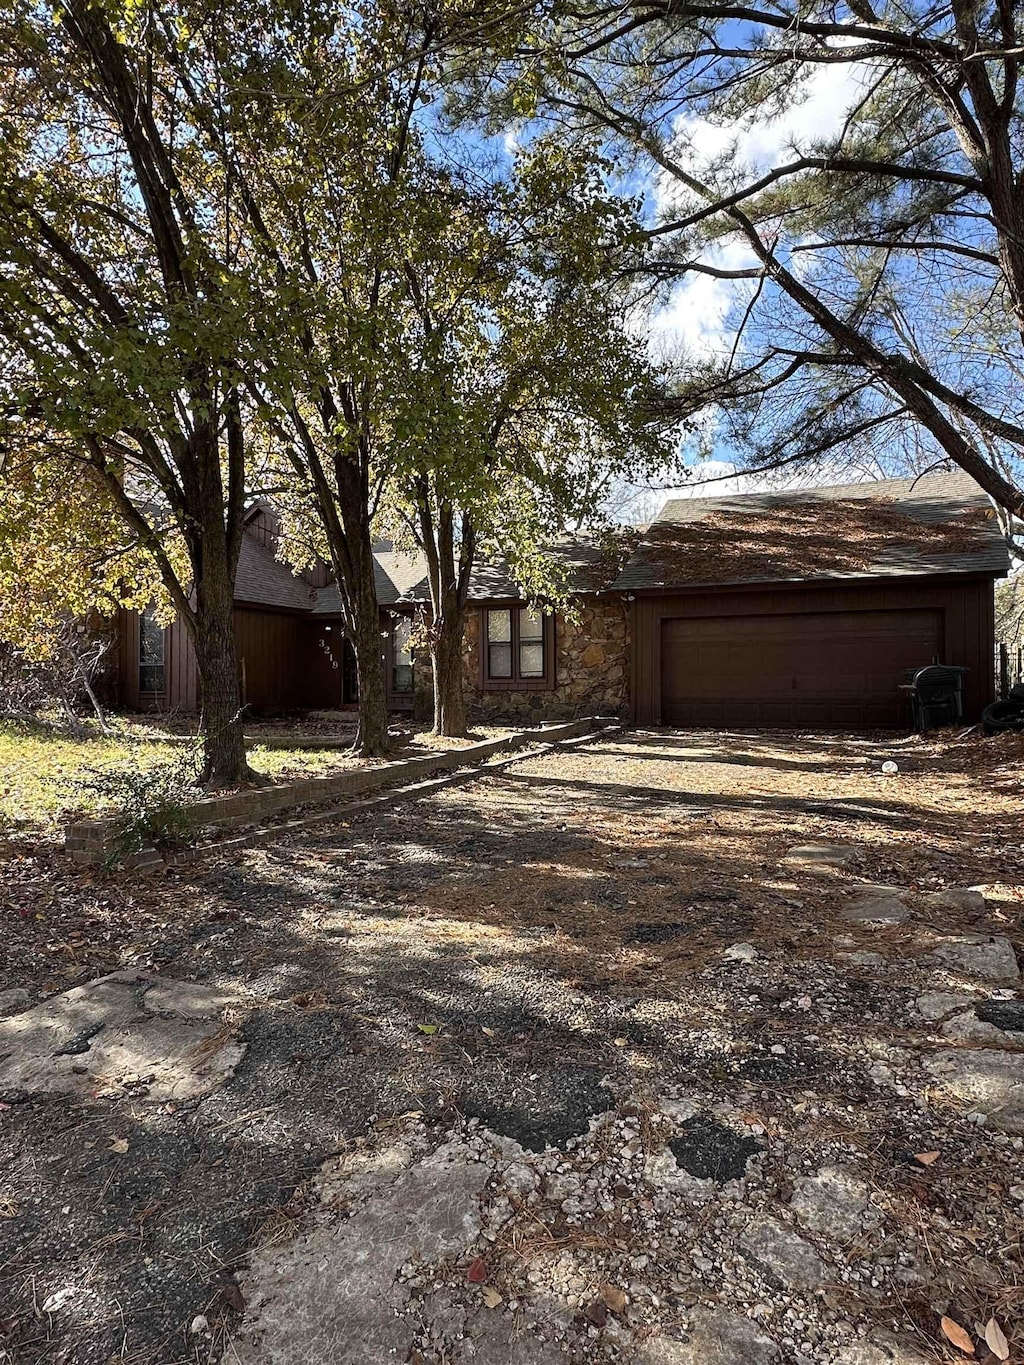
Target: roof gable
[{"x": 261, "y": 580}]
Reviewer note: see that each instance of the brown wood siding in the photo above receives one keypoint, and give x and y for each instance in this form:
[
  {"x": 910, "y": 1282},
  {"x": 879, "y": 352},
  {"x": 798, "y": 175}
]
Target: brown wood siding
[
  {"x": 288, "y": 663},
  {"x": 182, "y": 674},
  {"x": 272, "y": 657},
  {"x": 181, "y": 690},
  {"x": 325, "y": 669},
  {"x": 128, "y": 666},
  {"x": 964, "y": 605}
]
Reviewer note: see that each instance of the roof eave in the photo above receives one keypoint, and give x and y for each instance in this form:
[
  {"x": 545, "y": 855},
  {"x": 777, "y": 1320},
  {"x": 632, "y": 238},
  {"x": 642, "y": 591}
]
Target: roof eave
[{"x": 930, "y": 574}]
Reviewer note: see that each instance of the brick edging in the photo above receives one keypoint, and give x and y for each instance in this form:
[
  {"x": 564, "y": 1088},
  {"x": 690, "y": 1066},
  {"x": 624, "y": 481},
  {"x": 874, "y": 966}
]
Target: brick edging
[{"x": 88, "y": 841}]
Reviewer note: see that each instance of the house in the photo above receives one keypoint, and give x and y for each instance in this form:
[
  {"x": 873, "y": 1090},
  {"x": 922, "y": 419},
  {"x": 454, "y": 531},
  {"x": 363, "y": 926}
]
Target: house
[
  {"x": 804, "y": 608},
  {"x": 522, "y": 663},
  {"x": 796, "y": 609},
  {"x": 290, "y": 634}
]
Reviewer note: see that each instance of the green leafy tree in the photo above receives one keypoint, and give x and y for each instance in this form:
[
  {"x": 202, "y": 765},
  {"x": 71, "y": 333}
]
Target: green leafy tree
[
  {"x": 63, "y": 578},
  {"x": 879, "y": 260},
  {"x": 331, "y": 185},
  {"x": 221, "y": 199},
  {"x": 526, "y": 394},
  {"x": 124, "y": 315},
  {"x": 77, "y": 564}
]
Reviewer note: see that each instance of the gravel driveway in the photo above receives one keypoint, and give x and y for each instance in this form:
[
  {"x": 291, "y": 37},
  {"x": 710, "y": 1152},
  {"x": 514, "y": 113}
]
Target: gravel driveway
[{"x": 680, "y": 1047}]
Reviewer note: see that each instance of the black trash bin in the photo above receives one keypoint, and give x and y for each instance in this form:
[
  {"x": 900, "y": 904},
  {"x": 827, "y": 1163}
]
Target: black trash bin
[{"x": 936, "y": 695}]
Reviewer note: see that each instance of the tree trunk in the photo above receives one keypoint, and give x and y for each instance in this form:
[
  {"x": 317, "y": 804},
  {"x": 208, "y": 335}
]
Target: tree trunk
[
  {"x": 448, "y": 572},
  {"x": 365, "y": 633},
  {"x": 215, "y": 559},
  {"x": 224, "y": 761},
  {"x": 446, "y": 636}
]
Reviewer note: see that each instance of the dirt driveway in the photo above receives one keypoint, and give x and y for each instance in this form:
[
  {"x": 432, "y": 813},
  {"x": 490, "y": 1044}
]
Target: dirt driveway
[{"x": 578, "y": 1063}]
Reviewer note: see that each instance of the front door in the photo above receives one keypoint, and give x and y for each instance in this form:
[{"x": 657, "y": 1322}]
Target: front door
[{"x": 324, "y": 683}]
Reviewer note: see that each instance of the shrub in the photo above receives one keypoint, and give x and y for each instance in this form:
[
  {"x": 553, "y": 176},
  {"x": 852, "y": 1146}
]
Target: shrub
[{"x": 151, "y": 806}]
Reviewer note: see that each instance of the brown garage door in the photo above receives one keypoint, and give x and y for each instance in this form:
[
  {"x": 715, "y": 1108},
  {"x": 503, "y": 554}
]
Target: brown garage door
[{"x": 817, "y": 669}]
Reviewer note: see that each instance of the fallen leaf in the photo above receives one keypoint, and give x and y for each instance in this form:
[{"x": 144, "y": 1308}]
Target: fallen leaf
[
  {"x": 118, "y": 1145},
  {"x": 956, "y": 1334},
  {"x": 487, "y": 1032},
  {"x": 54, "y": 1302},
  {"x": 428, "y": 1028},
  {"x": 490, "y": 1296},
  {"x": 477, "y": 1272},
  {"x": 232, "y": 1296},
  {"x": 620, "y": 1042},
  {"x": 597, "y": 1312},
  {"x": 996, "y": 1341},
  {"x": 614, "y": 1298},
  {"x": 926, "y": 1158}
]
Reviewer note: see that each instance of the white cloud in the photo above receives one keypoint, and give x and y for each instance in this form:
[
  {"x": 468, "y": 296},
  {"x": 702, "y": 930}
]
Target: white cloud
[
  {"x": 723, "y": 479},
  {"x": 717, "y": 478},
  {"x": 701, "y": 315},
  {"x": 697, "y": 320},
  {"x": 757, "y": 144}
]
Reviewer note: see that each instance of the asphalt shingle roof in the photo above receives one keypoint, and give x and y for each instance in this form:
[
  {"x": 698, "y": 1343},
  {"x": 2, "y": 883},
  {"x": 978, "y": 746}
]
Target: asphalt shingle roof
[
  {"x": 586, "y": 565},
  {"x": 264, "y": 581},
  {"x": 393, "y": 572},
  {"x": 936, "y": 524}
]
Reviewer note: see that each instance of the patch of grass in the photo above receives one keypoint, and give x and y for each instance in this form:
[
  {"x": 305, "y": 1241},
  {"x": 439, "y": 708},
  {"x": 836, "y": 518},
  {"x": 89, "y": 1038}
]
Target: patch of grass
[
  {"x": 282, "y": 764},
  {"x": 46, "y": 775},
  {"x": 41, "y": 773},
  {"x": 477, "y": 734}
]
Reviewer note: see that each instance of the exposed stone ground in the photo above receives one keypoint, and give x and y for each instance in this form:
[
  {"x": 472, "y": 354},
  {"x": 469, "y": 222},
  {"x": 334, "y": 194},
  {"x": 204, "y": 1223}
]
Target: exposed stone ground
[{"x": 681, "y": 1048}]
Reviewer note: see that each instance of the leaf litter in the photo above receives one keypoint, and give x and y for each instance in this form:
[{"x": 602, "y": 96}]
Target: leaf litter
[{"x": 528, "y": 911}]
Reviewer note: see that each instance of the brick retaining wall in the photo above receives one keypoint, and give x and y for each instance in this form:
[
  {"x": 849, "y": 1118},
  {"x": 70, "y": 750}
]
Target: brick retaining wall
[{"x": 88, "y": 841}]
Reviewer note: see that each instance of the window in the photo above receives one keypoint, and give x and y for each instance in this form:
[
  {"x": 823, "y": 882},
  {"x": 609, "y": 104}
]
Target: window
[
  {"x": 151, "y": 653},
  {"x": 531, "y": 643},
  {"x": 401, "y": 668},
  {"x": 517, "y": 648},
  {"x": 499, "y": 644}
]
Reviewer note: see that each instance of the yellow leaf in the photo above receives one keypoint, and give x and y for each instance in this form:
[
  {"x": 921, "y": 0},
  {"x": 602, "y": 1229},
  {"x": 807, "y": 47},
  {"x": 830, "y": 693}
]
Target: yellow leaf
[
  {"x": 956, "y": 1334},
  {"x": 118, "y": 1145},
  {"x": 996, "y": 1341},
  {"x": 490, "y": 1296}
]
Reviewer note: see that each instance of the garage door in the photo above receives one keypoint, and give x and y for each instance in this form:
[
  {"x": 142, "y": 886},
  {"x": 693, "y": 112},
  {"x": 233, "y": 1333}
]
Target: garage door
[{"x": 815, "y": 670}]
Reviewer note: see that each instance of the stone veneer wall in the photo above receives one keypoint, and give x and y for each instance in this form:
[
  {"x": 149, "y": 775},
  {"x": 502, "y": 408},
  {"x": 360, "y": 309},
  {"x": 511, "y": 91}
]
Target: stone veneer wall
[{"x": 591, "y": 670}]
